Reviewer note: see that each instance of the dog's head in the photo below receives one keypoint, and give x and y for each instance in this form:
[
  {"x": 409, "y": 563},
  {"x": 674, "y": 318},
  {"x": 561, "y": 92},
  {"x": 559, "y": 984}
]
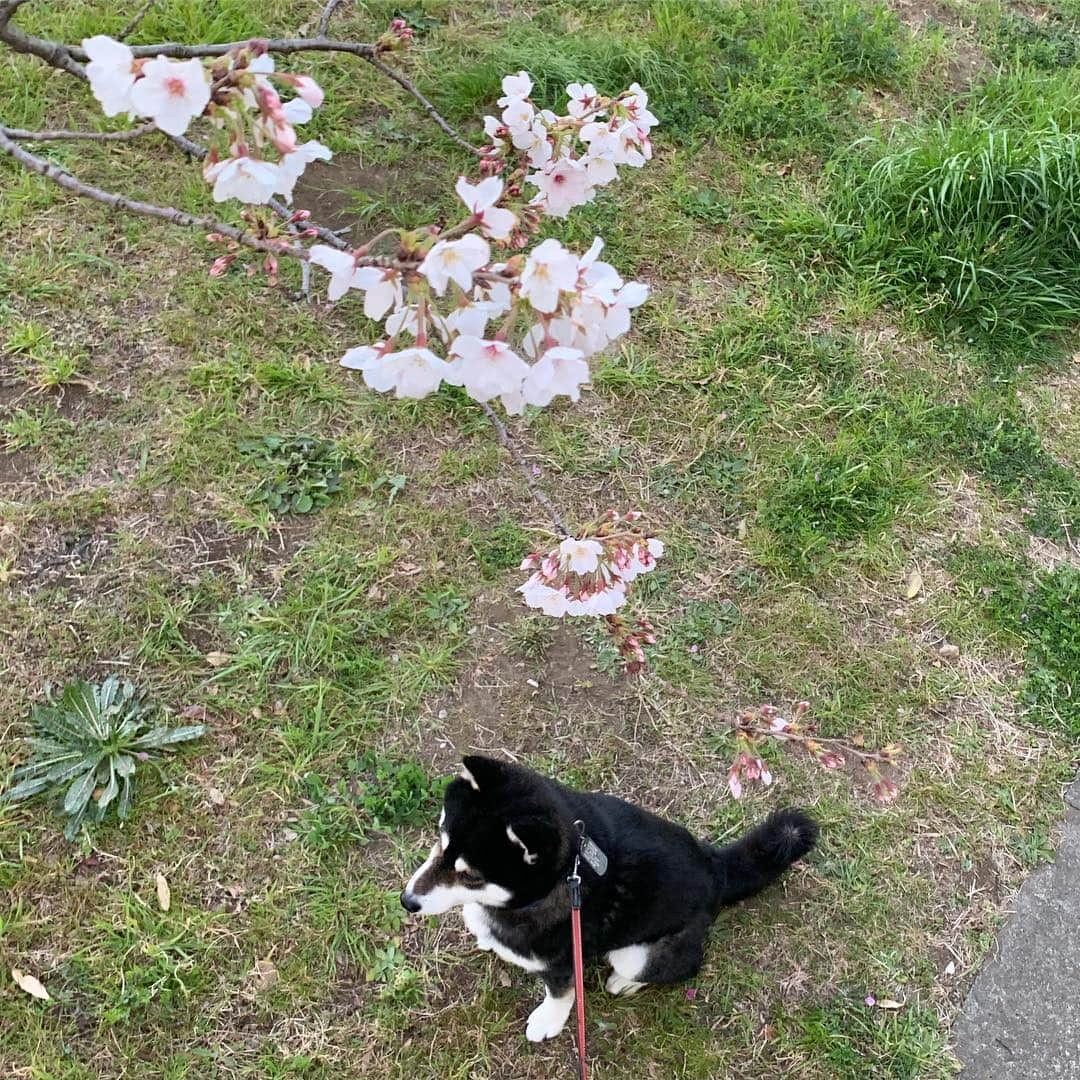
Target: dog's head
[{"x": 504, "y": 841}]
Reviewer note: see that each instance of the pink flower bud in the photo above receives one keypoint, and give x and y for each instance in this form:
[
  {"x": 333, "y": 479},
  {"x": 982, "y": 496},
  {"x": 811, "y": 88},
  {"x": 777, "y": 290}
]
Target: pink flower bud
[
  {"x": 309, "y": 90},
  {"x": 221, "y": 265},
  {"x": 300, "y": 215}
]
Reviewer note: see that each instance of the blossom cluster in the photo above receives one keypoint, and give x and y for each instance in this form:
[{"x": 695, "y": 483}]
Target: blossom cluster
[
  {"x": 590, "y": 574},
  {"x": 551, "y": 309},
  {"x": 574, "y": 306},
  {"x": 258, "y": 154},
  {"x": 574, "y": 155}
]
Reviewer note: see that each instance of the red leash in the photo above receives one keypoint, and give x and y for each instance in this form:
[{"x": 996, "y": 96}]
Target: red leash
[
  {"x": 579, "y": 974},
  {"x": 596, "y": 859}
]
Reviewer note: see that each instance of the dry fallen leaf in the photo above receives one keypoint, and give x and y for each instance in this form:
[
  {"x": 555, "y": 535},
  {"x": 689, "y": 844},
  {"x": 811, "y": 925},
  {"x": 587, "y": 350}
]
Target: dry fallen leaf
[
  {"x": 29, "y": 985},
  {"x": 196, "y": 712},
  {"x": 264, "y": 976},
  {"x": 164, "y": 893},
  {"x": 950, "y": 968},
  {"x": 888, "y": 1003},
  {"x": 217, "y": 659},
  {"x": 914, "y": 585},
  {"x": 215, "y": 796}
]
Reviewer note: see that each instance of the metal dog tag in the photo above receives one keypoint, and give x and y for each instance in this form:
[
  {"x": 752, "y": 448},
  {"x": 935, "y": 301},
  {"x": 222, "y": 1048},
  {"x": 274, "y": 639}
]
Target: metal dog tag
[{"x": 593, "y": 856}]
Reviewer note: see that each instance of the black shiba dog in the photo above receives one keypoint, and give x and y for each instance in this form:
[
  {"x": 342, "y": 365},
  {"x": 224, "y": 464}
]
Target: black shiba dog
[{"x": 507, "y": 841}]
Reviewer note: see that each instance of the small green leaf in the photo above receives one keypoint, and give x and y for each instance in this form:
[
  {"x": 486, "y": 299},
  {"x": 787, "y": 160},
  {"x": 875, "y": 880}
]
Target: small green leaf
[
  {"x": 79, "y": 793},
  {"x": 32, "y": 786},
  {"x": 303, "y": 504},
  {"x": 163, "y": 736},
  {"x": 111, "y": 790}
]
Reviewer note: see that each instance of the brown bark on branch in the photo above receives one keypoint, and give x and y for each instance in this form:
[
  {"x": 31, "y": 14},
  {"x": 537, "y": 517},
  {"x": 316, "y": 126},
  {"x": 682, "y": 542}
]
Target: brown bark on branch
[{"x": 327, "y": 15}]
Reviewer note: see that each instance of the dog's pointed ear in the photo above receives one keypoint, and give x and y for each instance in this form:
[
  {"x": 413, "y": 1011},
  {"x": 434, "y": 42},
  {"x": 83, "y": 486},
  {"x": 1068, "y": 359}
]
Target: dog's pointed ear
[
  {"x": 484, "y": 773},
  {"x": 537, "y": 839}
]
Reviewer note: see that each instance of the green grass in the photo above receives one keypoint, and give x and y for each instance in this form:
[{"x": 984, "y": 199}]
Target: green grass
[
  {"x": 1040, "y": 611},
  {"x": 801, "y": 414},
  {"x": 971, "y": 218}
]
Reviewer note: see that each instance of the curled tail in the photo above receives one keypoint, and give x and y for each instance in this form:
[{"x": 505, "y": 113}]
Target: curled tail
[{"x": 746, "y": 866}]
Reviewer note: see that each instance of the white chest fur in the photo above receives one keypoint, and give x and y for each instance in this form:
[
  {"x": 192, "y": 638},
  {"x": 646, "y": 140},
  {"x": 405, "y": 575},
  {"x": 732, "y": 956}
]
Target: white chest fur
[{"x": 476, "y": 921}]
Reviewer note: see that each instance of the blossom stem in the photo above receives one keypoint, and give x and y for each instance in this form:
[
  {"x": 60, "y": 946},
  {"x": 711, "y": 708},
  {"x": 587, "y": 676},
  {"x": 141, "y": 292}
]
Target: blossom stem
[
  {"x": 88, "y": 136},
  {"x": 327, "y": 15},
  {"x": 136, "y": 19},
  {"x": 539, "y": 496}
]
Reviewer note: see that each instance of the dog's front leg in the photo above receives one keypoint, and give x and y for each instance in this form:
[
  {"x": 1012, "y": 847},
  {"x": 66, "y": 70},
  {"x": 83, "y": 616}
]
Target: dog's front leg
[{"x": 550, "y": 1016}]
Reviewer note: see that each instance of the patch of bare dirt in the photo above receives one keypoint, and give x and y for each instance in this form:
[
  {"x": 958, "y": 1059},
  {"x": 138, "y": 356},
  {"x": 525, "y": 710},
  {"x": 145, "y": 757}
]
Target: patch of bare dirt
[
  {"x": 337, "y": 192},
  {"x": 967, "y": 61},
  {"x": 516, "y": 706}
]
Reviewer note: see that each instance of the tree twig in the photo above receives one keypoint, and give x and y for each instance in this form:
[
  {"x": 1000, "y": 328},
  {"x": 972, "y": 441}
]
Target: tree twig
[
  {"x": 539, "y": 496},
  {"x": 53, "y": 172},
  {"x": 86, "y": 136},
  {"x": 137, "y": 18},
  {"x": 52, "y": 52},
  {"x": 407, "y": 85},
  {"x": 327, "y": 15},
  {"x": 176, "y": 50},
  {"x": 136, "y": 206}
]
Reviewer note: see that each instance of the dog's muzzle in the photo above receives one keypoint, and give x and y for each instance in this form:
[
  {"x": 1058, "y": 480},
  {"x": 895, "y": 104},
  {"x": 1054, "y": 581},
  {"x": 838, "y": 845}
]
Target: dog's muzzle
[{"x": 410, "y": 903}]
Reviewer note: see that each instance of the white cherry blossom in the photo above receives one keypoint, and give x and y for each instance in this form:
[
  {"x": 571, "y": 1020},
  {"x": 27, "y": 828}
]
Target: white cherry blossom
[
  {"x": 582, "y": 99},
  {"x": 481, "y": 199},
  {"x": 382, "y": 289},
  {"x": 487, "y": 369},
  {"x": 411, "y": 373},
  {"x": 581, "y": 556},
  {"x": 516, "y": 86},
  {"x": 563, "y": 185},
  {"x": 250, "y": 180},
  {"x": 549, "y": 270},
  {"x": 342, "y": 268},
  {"x": 559, "y": 372},
  {"x": 110, "y": 73},
  {"x": 172, "y": 93},
  {"x": 455, "y": 260}
]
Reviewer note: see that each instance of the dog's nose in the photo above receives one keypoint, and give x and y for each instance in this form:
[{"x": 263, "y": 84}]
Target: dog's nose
[{"x": 410, "y": 903}]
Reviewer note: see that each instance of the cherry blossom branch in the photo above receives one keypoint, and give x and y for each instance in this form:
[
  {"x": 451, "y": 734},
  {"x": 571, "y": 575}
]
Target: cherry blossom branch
[
  {"x": 86, "y": 136},
  {"x": 52, "y": 52},
  {"x": 180, "y": 217},
  {"x": 327, "y": 15},
  {"x": 136, "y": 19},
  {"x": 766, "y": 722},
  {"x": 165, "y": 213},
  {"x": 539, "y": 496},
  {"x": 68, "y": 57}
]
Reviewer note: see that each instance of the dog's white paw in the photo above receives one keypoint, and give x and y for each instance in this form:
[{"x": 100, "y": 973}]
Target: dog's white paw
[
  {"x": 549, "y": 1017},
  {"x": 619, "y": 985}
]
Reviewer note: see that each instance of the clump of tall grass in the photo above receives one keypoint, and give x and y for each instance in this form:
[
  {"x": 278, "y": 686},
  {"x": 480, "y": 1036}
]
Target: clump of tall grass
[{"x": 975, "y": 219}]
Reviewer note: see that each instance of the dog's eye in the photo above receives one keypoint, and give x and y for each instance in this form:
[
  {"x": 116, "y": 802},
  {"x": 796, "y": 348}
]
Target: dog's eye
[{"x": 469, "y": 877}]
